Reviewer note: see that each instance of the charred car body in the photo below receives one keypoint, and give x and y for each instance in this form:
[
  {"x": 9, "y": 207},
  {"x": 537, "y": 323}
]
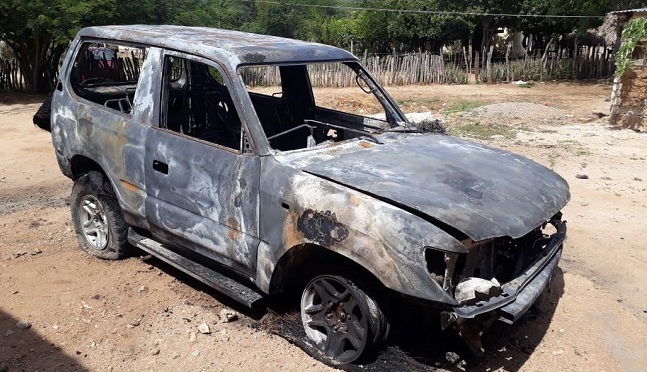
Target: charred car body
[{"x": 175, "y": 150}]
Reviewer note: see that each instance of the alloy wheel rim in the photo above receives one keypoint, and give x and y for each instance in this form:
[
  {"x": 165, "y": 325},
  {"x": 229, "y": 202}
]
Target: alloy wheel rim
[
  {"x": 94, "y": 222},
  {"x": 334, "y": 319}
]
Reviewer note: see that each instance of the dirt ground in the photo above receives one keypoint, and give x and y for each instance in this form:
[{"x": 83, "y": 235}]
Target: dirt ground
[{"x": 139, "y": 314}]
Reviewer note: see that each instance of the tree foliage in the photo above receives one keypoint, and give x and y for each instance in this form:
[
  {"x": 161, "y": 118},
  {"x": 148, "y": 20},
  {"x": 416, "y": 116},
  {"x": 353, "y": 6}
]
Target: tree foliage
[
  {"x": 228, "y": 14},
  {"x": 635, "y": 31},
  {"x": 38, "y": 31},
  {"x": 385, "y": 31}
]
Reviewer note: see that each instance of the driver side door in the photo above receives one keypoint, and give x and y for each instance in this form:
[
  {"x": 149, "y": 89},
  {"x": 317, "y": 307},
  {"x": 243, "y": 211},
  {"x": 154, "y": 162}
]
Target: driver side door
[{"x": 202, "y": 190}]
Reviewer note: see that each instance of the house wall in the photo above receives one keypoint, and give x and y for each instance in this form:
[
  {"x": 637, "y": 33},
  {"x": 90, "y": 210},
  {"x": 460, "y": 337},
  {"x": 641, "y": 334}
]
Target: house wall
[
  {"x": 629, "y": 94},
  {"x": 629, "y": 99}
]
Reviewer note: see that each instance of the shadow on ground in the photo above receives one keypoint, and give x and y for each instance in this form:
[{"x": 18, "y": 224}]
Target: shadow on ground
[
  {"x": 23, "y": 349},
  {"x": 423, "y": 347},
  {"x": 416, "y": 345},
  {"x": 13, "y": 98}
]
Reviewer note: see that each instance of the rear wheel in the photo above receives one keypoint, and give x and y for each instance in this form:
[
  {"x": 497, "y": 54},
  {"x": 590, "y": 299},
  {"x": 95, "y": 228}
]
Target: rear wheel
[
  {"x": 99, "y": 224},
  {"x": 341, "y": 319}
]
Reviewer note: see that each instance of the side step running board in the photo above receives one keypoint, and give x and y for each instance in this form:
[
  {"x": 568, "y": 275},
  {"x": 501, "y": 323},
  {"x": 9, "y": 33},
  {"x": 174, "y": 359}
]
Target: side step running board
[{"x": 228, "y": 286}]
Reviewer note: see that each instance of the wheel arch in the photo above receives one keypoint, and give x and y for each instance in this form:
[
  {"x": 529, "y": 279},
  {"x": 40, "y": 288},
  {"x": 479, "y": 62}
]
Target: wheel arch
[
  {"x": 80, "y": 165},
  {"x": 300, "y": 263}
]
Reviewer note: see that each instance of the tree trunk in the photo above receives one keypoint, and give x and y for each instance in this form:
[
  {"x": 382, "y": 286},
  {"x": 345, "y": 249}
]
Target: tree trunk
[
  {"x": 543, "y": 59},
  {"x": 38, "y": 60},
  {"x": 507, "y": 62},
  {"x": 489, "y": 26},
  {"x": 477, "y": 67},
  {"x": 485, "y": 37}
]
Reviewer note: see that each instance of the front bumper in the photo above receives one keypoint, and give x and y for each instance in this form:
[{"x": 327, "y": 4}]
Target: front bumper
[{"x": 519, "y": 294}]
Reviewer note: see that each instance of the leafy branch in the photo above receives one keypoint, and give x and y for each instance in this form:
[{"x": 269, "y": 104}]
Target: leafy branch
[{"x": 631, "y": 35}]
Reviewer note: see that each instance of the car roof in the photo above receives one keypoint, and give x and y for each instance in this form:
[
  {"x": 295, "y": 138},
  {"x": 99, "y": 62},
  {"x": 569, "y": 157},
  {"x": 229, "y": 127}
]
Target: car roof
[{"x": 232, "y": 47}]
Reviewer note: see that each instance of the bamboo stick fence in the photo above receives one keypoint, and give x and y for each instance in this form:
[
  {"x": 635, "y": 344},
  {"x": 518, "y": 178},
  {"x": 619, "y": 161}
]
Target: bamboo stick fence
[
  {"x": 11, "y": 80},
  {"x": 403, "y": 69},
  {"x": 456, "y": 68}
]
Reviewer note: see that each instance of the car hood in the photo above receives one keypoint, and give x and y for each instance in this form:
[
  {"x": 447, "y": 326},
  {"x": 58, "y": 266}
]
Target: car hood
[{"x": 481, "y": 191}]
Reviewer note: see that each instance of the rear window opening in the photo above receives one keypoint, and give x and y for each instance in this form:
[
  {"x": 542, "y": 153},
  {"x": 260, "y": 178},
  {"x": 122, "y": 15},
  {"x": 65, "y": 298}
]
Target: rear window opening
[{"x": 107, "y": 74}]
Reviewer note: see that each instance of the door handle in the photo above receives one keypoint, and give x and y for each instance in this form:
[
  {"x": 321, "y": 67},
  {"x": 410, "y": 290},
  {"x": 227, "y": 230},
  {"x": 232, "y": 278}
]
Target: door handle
[{"x": 160, "y": 167}]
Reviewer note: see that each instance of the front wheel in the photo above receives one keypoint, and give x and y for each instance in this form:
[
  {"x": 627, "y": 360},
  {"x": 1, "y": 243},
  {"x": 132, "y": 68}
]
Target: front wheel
[
  {"x": 99, "y": 224},
  {"x": 341, "y": 319}
]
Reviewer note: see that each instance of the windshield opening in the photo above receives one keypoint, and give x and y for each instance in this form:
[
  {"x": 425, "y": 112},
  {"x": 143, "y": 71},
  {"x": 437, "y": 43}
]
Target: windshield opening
[{"x": 310, "y": 105}]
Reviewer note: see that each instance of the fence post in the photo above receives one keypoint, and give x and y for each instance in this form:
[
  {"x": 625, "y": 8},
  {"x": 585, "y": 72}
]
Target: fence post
[
  {"x": 600, "y": 61},
  {"x": 575, "y": 54},
  {"x": 477, "y": 67},
  {"x": 489, "y": 65},
  {"x": 507, "y": 62},
  {"x": 17, "y": 80},
  {"x": 2, "y": 78},
  {"x": 467, "y": 65}
]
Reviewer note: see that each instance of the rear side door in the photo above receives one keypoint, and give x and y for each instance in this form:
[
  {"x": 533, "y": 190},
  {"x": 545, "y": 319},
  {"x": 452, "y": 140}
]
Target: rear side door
[{"x": 201, "y": 188}]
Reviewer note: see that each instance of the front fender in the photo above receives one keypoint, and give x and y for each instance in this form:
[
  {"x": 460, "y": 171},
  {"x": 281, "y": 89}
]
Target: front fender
[{"x": 386, "y": 240}]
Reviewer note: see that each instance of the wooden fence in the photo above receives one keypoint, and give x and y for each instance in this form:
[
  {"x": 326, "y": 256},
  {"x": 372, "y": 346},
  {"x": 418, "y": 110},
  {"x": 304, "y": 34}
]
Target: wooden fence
[
  {"x": 11, "y": 80},
  {"x": 456, "y": 68},
  {"x": 125, "y": 68},
  {"x": 121, "y": 69},
  {"x": 406, "y": 69},
  {"x": 564, "y": 64}
]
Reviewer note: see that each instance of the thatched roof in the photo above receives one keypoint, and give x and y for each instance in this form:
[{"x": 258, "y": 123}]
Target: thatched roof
[
  {"x": 637, "y": 10},
  {"x": 614, "y": 22}
]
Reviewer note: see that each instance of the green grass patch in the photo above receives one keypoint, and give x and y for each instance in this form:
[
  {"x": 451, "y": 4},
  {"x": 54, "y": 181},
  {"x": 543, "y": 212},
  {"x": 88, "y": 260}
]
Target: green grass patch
[
  {"x": 574, "y": 147},
  {"x": 431, "y": 103},
  {"x": 482, "y": 131},
  {"x": 583, "y": 152},
  {"x": 462, "y": 106}
]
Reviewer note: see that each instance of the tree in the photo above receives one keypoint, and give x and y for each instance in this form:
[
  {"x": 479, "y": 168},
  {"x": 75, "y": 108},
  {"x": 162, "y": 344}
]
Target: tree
[
  {"x": 277, "y": 19},
  {"x": 331, "y": 30},
  {"x": 596, "y": 9},
  {"x": 227, "y": 14},
  {"x": 291, "y": 18},
  {"x": 39, "y": 31},
  {"x": 386, "y": 31}
]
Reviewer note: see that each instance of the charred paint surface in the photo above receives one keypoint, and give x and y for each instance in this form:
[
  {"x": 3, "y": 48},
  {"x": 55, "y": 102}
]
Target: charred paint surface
[
  {"x": 481, "y": 191},
  {"x": 229, "y": 47},
  {"x": 254, "y": 58},
  {"x": 321, "y": 227},
  {"x": 384, "y": 239},
  {"x": 112, "y": 139},
  {"x": 377, "y": 203},
  {"x": 208, "y": 198}
]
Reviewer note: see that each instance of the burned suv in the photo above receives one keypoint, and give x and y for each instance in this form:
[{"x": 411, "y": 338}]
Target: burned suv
[{"x": 219, "y": 153}]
